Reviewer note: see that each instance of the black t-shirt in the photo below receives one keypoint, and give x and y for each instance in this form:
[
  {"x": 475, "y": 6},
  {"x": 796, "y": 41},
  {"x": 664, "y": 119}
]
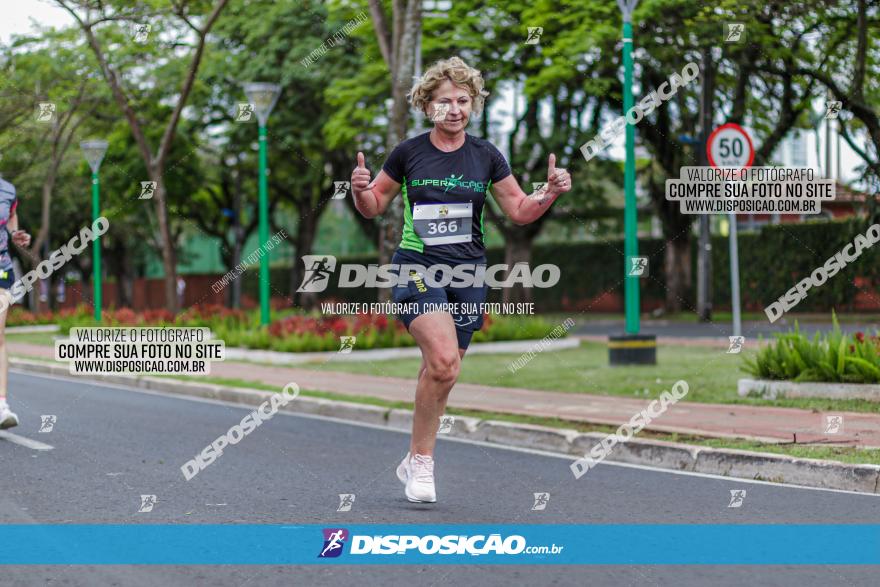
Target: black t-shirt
[{"x": 444, "y": 194}]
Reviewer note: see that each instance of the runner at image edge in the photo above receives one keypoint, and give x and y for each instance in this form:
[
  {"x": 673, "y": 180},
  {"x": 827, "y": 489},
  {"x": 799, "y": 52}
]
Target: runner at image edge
[
  {"x": 444, "y": 176},
  {"x": 8, "y": 222}
]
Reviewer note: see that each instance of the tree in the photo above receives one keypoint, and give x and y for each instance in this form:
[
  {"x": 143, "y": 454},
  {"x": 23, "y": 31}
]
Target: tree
[
  {"x": 397, "y": 45},
  {"x": 97, "y": 13}
]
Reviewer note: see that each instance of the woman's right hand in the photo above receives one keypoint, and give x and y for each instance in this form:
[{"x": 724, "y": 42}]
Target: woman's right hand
[{"x": 360, "y": 176}]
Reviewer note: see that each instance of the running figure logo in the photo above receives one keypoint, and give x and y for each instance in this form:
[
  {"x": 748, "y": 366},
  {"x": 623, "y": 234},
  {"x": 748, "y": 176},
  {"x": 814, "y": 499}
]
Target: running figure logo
[
  {"x": 833, "y": 424},
  {"x": 638, "y": 267},
  {"x": 534, "y": 36},
  {"x": 346, "y": 344},
  {"x": 446, "y": 424},
  {"x": 832, "y": 109},
  {"x": 541, "y": 500},
  {"x": 244, "y": 113},
  {"x": 734, "y": 32},
  {"x": 340, "y": 189},
  {"x": 439, "y": 112},
  {"x": 318, "y": 270},
  {"x": 346, "y": 500},
  {"x": 334, "y": 540},
  {"x": 45, "y": 112},
  {"x": 47, "y": 423},
  {"x": 147, "y": 503},
  {"x": 452, "y": 181},
  {"x": 736, "y": 344},
  {"x": 462, "y": 320},
  {"x": 148, "y": 188},
  {"x": 140, "y": 33},
  {"x": 737, "y": 496}
]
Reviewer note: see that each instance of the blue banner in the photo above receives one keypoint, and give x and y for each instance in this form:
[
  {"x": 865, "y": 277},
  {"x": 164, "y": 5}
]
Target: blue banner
[{"x": 246, "y": 544}]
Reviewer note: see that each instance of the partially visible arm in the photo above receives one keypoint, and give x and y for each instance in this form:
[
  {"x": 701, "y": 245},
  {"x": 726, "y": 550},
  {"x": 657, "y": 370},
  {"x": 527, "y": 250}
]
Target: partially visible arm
[
  {"x": 12, "y": 223},
  {"x": 19, "y": 237},
  {"x": 524, "y": 209},
  {"x": 521, "y": 208},
  {"x": 373, "y": 200}
]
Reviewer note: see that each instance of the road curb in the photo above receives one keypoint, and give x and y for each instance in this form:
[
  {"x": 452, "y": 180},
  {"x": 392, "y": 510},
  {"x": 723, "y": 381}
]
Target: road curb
[
  {"x": 768, "y": 389},
  {"x": 656, "y": 453}
]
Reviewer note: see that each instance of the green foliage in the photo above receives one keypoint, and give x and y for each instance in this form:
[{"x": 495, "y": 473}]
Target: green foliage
[{"x": 833, "y": 357}]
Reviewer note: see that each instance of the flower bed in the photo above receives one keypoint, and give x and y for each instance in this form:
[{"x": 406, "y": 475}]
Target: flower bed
[
  {"x": 833, "y": 357},
  {"x": 18, "y": 316},
  {"x": 296, "y": 331}
]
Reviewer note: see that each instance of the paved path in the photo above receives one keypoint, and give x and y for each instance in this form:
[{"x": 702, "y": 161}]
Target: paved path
[{"x": 767, "y": 424}]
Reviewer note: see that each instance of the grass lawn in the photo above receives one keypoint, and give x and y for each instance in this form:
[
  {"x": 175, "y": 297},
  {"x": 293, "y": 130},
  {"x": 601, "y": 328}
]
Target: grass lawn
[
  {"x": 711, "y": 375},
  {"x": 842, "y": 454},
  {"x": 44, "y": 338}
]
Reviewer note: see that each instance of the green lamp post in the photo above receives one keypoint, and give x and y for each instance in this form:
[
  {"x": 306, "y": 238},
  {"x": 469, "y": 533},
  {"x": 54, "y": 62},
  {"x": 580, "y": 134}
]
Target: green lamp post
[
  {"x": 631, "y": 347},
  {"x": 94, "y": 153},
  {"x": 263, "y": 97}
]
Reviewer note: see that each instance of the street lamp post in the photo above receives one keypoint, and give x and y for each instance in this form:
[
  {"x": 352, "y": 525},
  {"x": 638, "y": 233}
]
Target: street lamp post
[
  {"x": 263, "y": 97},
  {"x": 630, "y": 217},
  {"x": 94, "y": 153},
  {"x": 631, "y": 347}
]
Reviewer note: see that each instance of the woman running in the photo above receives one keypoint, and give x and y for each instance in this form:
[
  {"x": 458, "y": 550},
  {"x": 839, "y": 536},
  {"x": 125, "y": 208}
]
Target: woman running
[
  {"x": 444, "y": 176},
  {"x": 9, "y": 222}
]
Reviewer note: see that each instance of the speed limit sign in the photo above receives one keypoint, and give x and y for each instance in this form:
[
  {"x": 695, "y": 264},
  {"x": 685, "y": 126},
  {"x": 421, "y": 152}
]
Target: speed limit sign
[{"x": 729, "y": 145}]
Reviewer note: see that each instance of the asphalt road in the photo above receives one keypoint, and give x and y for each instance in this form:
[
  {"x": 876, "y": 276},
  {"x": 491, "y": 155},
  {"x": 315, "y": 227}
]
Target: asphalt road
[{"x": 112, "y": 444}]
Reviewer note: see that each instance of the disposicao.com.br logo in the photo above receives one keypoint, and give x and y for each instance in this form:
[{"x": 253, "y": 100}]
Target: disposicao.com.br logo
[
  {"x": 335, "y": 539},
  {"x": 320, "y": 268}
]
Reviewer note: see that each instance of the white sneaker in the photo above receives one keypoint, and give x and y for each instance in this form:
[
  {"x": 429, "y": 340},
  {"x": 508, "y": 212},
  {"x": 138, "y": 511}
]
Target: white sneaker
[
  {"x": 8, "y": 419},
  {"x": 417, "y": 474}
]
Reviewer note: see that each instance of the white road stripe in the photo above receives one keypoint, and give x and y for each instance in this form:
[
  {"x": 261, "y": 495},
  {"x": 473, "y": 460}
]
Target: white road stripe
[
  {"x": 533, "y": 451},
  {"x": 34, "y": 444}
]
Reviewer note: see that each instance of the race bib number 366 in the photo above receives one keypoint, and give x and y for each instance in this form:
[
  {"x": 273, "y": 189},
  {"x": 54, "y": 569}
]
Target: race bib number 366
[{"x": 443, "y": 224}]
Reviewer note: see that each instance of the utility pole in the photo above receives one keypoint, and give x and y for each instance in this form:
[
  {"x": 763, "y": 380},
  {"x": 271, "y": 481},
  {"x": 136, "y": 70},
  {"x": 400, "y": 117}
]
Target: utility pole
[{"x": 704, "y": 250}]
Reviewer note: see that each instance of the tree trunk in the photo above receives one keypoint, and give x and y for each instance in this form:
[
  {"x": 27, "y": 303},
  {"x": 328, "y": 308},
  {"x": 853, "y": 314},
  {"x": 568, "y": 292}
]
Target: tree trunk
[
  {"x": 238, "y": 235},
  {"x": 517, "y": 249},
  {"x": 121, "y": 264},
  {"x": 169, "y": 261},
  {"x": 401, "y": 63},
  {"x": 677, "y": 267},
  {"x": 307, "y": 229}
]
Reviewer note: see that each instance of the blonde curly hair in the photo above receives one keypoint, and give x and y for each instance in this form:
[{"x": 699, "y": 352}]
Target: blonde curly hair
[{"x": 455, "y": 70}]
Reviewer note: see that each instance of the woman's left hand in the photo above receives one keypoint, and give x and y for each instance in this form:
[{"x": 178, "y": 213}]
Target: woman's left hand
[{"x": 21, "y": 238}]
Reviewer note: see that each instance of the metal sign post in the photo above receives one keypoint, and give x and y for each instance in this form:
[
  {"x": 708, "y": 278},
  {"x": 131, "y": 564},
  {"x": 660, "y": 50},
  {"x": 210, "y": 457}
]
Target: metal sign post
[{"x": 730, "y": 145}]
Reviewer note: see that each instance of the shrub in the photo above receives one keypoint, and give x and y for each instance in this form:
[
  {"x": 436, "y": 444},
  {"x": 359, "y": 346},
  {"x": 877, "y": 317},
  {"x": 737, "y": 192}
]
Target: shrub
[{"x": 833, "y": 357}]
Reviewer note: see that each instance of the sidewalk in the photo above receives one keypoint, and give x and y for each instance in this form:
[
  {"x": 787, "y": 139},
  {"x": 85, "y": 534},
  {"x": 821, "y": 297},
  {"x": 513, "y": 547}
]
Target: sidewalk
[{"x": 766, "y": 424}]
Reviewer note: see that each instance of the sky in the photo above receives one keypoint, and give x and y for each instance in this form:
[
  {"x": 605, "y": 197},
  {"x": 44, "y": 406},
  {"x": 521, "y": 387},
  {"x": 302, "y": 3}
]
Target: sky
[{"x": 19, "y": 16}]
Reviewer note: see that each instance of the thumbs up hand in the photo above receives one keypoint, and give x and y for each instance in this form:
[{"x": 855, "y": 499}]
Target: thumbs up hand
[
  {"x": 360, "y": 176},
  {"x": 558, "y": 180}
]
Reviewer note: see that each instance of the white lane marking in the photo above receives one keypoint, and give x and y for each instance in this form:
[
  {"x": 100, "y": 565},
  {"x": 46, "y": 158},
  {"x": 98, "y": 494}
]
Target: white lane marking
[
  {"x": 534, "y": 451},
  {"x": 34, "y": 444}
]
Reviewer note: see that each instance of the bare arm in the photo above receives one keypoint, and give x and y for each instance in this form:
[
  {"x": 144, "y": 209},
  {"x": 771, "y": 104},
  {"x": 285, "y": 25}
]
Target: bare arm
[
  {"x": 525, "y": 209},
  {"x": 371, "y": 198},
  {"x": 19, "y": 237}
]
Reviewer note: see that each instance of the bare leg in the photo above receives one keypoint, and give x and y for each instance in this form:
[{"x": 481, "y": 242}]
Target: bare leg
[
  {"x": 441, "y": 361},
  {"x": 4, "y": 363}
]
